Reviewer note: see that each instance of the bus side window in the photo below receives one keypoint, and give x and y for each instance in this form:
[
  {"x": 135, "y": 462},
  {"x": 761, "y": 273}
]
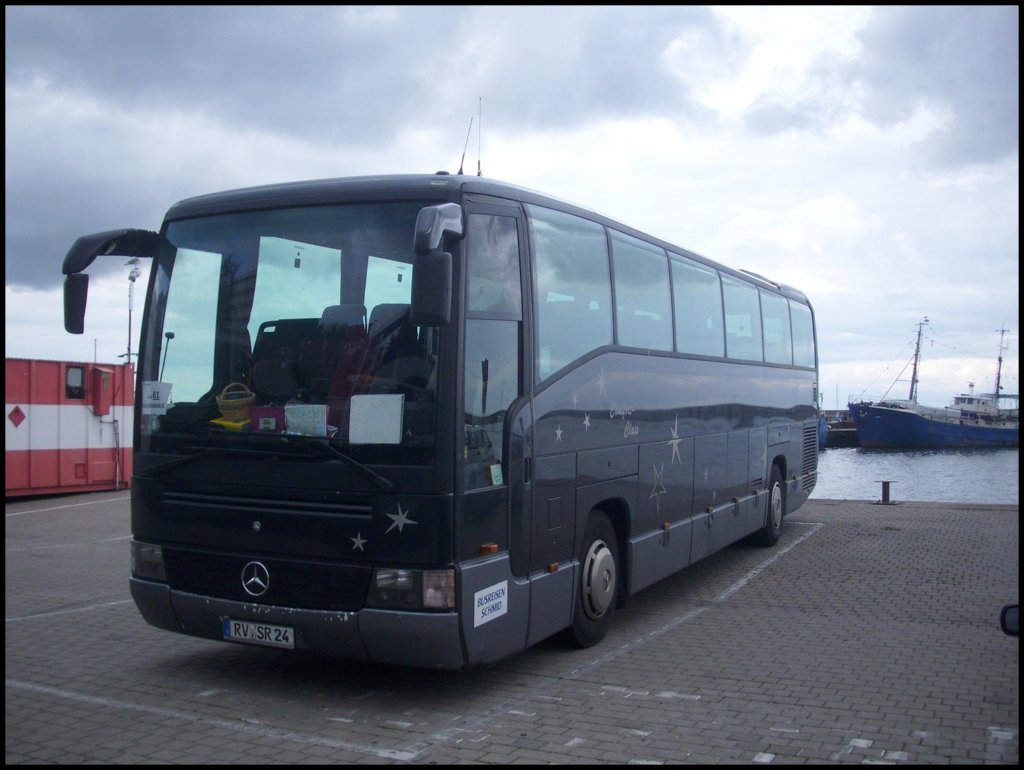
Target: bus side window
[
  {"x": 803, "y": 334},
  {"x": 573, "y": 286},
  {"x": 642, "y": 296},
  {"x": 778, "y": 339},
  {"x": 494, "y": 285},
  {"x": 742, "y": 320},
  {"x": 698, "y": 305},
  {"x": 491, "y": 385}
]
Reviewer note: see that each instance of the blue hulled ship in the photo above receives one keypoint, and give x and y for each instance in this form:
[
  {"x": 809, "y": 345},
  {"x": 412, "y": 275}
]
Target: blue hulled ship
[{"x": 971, "y": 420}]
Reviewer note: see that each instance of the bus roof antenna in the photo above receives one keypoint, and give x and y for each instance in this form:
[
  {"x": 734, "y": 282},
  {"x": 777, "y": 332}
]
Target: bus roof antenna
[
  {"x": 468, "y": 130},
  {"x": 479, "y": 123}
]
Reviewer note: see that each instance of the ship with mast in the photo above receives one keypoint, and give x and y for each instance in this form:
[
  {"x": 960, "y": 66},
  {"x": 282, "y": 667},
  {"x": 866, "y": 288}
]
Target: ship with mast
[{"x": 971, "y": 420}]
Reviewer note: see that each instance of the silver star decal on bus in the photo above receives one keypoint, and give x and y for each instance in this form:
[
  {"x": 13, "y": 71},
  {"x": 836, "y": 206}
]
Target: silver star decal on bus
[
  {"x": 659, "y": 486},
  {"x": 358, "y": 541},
  {"x": 586, "y": 421},
  {"x": 399, "y": 520},
  {"x": 600, "y": 383},
  {"x": 558, "y": 433},
  {"x": 674, "y": 442}
]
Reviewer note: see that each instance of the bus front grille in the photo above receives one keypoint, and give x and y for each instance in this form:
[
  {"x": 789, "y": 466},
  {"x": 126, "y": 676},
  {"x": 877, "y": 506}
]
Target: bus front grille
[
  {"x": 297, "y": 584},
  {"x": 191, "y": 502}
]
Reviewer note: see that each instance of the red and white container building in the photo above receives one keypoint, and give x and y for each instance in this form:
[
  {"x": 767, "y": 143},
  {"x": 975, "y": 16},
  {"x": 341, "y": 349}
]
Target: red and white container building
[{"x": 68, "y": 426}]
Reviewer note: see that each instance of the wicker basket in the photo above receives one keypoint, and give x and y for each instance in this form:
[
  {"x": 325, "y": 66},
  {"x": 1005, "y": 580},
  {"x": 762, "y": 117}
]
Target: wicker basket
[{"x": 235, "y": 401}]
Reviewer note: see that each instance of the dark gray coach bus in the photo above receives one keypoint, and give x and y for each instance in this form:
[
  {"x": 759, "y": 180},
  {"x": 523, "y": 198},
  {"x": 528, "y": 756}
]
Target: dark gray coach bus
[{"x": 431, "y": 420}]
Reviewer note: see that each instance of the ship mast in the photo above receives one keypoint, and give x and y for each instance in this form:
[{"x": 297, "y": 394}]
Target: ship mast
[
  {"x": 999, "y": 363},
  {"x": 917, "y": 358}
]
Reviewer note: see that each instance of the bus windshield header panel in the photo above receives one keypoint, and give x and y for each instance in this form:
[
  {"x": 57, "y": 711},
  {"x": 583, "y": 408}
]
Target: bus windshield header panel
[{"x": 294, "y": 322}]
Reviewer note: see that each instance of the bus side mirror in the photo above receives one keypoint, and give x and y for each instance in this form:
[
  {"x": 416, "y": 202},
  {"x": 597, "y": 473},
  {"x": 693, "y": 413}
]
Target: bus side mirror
[
  {"x": 432, "y": 289},
  {"x": 76, "y": 290},
  {"x": 433, "y": 223},
  {"x": 432, "y": 268},
  {"x": 126, "y": 242}
]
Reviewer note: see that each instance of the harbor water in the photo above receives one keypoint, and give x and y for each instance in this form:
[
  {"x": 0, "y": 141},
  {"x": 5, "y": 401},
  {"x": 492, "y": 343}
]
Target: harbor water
[{"x": 932, "y": 475}]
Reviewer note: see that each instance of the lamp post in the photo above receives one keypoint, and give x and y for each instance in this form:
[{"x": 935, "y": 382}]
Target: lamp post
[{"x": 132, "y": 276}]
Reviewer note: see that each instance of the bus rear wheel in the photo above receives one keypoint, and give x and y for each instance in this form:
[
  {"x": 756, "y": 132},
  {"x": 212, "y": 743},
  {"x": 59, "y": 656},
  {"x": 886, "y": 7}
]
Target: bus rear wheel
[
  {"x": 769, "y": 534},
  {"x": 598, "y": 589}
]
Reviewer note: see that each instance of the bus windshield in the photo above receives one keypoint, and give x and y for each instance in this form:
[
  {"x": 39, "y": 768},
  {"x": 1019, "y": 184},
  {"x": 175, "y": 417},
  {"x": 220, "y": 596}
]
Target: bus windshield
[{"x": 291, "y": 322}]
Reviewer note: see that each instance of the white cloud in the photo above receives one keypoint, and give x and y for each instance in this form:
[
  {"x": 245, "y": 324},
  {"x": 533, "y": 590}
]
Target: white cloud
[{"x": 784, "y": 44}]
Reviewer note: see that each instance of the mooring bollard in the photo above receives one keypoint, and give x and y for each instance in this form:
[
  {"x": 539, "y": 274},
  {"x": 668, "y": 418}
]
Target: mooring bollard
[{"x": 885, "y": 493}]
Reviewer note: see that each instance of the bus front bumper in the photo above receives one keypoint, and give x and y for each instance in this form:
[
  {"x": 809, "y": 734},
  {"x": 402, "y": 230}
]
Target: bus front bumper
[{"x": 422, "y": 639}]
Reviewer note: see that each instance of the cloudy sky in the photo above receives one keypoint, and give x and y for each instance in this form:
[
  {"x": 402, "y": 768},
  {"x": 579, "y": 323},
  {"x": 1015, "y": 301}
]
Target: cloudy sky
[{"x": 866, "y": 155}]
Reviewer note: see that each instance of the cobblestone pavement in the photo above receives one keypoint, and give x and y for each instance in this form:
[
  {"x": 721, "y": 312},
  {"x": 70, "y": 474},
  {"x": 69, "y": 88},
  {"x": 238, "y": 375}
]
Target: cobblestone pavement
[{"x": 869, "y": 634}]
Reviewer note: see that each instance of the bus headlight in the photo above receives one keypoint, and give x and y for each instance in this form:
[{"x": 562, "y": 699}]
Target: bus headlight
[
  {"x": 412, "y": 589},
  {"x": 148, "y": 561}
]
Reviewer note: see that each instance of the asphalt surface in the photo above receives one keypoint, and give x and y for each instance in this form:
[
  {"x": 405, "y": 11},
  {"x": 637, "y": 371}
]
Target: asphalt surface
[{"x": 869, "y": 634}]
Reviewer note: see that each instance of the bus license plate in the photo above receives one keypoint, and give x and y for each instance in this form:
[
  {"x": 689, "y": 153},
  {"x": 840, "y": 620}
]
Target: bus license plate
[{"x": 259, "y": 633}]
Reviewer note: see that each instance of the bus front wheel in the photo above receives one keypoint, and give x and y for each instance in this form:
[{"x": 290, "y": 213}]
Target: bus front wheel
[
  {"x": 769, "y": 534},
  {"x": 598, "y": 588}
]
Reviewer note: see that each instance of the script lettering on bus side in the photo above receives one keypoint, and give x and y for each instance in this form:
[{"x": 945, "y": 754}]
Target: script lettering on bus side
[
  {"x": 629, "y": 428},
  {"x": 490, "y": 603}
]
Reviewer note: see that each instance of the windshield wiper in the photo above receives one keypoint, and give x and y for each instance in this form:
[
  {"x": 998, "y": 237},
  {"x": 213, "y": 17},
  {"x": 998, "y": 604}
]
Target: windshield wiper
[{"x": 333, "y": 453}]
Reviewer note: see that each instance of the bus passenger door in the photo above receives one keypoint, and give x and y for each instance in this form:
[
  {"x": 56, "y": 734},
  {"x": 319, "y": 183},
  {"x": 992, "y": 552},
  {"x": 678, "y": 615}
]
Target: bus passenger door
[
  {"x": 496, "y": 433},
  {"x": 495, "y": 437}
]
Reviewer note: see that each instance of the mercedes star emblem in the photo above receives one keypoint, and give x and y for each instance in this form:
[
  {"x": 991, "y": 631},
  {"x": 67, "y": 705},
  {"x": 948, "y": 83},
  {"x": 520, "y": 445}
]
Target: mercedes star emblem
[{"x": 255, "y": 578}]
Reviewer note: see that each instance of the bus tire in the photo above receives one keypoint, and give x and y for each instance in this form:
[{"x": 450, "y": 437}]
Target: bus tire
[
  {"x": 769, "y": 534},
  {"x": 598, "y": 588}
]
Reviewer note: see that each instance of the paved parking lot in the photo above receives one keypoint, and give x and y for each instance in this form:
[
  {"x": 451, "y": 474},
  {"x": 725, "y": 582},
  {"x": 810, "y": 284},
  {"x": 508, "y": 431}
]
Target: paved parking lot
[{"x": 869, "y": 634}]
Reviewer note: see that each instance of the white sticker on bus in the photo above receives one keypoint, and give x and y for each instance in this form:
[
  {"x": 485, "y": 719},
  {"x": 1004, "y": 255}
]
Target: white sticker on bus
[{"x": 490, "y": 603}]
